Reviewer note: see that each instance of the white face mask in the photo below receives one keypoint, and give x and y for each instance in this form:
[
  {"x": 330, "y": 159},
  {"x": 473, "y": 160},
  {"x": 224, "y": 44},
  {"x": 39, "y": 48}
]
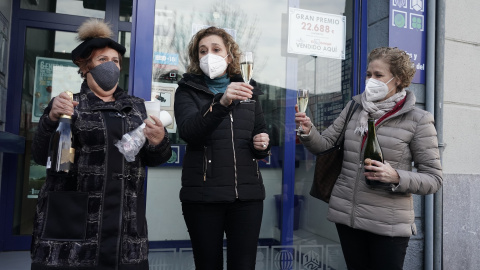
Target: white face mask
[
  {"x": 377, "y": 90},
  {"x": 213, "y": 65}
]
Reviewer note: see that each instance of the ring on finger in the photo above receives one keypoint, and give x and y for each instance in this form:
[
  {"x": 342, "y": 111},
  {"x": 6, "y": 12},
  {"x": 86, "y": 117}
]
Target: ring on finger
[
  {"x": 264, "y": 145},
  {"x": 374, "y": 174}
]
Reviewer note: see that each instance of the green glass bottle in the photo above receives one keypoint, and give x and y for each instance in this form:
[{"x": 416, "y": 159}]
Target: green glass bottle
[{"x": 373, "y": 151}]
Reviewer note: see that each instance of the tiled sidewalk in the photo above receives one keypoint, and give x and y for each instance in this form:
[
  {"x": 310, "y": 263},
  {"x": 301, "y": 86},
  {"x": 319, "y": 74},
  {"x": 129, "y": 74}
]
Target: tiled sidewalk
[{"x": 15, "y": 260}]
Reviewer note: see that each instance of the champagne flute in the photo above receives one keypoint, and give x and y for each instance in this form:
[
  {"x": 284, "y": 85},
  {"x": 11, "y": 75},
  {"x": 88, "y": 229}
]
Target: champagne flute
[
  {"x": 246, "y": 67},
  {"x": 302, "y": 101}
]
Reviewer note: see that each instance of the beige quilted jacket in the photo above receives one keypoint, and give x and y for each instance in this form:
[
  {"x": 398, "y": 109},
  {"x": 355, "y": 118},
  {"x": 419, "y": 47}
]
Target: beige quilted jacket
[{"x": 405, "y": 137}]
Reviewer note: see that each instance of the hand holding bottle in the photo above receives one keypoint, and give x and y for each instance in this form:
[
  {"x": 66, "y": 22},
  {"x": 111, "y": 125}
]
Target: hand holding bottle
[
  {"x": 62, "y": 104},
  {"x": 382, "y": 172}
]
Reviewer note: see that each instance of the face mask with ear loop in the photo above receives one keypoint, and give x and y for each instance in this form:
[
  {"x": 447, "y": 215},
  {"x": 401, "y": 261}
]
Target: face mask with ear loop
[
  {"x": 213, "y": 65},
  {"x": 377, "y": 90},
  {"x": 106, "y": 75}
]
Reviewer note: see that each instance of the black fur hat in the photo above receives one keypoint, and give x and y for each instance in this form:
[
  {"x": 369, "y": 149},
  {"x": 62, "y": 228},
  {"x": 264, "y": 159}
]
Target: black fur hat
[{"x": 95, "y": 34}]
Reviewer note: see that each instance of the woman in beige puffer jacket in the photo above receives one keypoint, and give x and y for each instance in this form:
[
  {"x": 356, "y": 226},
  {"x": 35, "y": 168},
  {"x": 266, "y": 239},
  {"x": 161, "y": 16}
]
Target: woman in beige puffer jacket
[{"x": 375, "y": 225}]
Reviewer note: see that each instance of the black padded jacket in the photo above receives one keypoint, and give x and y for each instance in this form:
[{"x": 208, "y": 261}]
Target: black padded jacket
[{"x": 220, "y": 163}]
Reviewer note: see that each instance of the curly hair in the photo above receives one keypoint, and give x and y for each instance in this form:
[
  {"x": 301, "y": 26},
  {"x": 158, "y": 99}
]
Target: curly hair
[
  {"x": 400, "y": 63},
  {"x": 232, "y": 49}
]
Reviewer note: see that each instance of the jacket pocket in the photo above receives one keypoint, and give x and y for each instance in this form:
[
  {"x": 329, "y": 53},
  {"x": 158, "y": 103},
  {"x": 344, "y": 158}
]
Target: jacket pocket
[{"x": 66, "y": 216}]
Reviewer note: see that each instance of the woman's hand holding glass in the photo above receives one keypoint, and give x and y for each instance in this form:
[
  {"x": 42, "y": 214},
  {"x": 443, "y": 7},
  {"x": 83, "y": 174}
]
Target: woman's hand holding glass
[
  {"x": 236, "y": 91},
  {"x": 302, "y": 121},
  {"x": 302, "y": 103}
]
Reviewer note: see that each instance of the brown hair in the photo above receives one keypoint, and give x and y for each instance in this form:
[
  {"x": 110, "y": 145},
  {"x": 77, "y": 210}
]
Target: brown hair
[
  {"x": 232, "y": 50},
  {"x": 401, "y": 66},
  {"x": 86, "y": 63}
]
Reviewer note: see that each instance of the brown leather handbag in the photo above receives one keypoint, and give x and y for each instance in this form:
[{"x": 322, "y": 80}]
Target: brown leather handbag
[{"x": 329, "y": 164}]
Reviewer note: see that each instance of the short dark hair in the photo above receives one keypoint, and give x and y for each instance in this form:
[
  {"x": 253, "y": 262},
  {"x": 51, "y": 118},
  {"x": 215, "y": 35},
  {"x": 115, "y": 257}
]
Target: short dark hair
[
  {"x": 232, "y": 49},
  {"x": 401, "y": 66}
]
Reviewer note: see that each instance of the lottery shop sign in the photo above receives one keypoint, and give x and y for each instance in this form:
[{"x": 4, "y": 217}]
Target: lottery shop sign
[{"x": 316, "y": 33}]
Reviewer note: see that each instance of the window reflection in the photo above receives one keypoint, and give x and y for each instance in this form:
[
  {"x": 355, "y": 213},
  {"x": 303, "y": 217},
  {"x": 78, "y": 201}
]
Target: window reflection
[{"x": 252, "y": 29}]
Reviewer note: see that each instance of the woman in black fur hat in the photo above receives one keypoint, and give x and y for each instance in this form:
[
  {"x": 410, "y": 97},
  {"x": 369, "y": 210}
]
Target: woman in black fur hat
[{"x": 100, "y": 223}]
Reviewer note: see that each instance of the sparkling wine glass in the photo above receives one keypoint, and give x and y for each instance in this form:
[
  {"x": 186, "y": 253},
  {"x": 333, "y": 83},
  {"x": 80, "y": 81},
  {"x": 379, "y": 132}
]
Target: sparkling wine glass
[
  {"x": 246, "y": 67},
  {"x": 302, "y": 101}
]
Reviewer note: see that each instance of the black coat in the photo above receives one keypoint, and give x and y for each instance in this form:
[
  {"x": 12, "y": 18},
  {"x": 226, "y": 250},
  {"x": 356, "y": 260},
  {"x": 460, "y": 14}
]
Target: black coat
[
  {"x": 95, "y": 216},
  {"x": 220, "y": 163}
]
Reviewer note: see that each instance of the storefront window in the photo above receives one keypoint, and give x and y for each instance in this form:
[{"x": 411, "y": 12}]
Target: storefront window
[
  {"x": 87, "y": 8},
  {"x": 315, "y": 242}
]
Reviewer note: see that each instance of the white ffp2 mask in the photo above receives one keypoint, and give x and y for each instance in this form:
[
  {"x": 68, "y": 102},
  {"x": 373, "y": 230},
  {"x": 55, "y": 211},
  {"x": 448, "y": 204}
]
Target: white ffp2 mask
[
  {"x": 213, "y": 65},
  {"x": 376, "y": 90}
]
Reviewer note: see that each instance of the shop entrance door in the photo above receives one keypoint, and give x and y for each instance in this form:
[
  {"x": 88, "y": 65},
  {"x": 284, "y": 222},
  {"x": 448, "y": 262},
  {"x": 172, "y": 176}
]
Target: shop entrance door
[{"x": 43, "y": 35}]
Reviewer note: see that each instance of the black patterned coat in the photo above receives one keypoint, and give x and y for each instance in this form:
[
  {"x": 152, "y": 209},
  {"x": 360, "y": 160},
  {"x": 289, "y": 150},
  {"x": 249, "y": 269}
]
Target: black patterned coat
[{"x": 94, "y": 218}]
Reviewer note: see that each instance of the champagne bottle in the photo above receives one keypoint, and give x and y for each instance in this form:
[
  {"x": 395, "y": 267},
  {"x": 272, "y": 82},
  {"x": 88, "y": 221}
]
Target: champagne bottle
[
  {"x": 61, "y": 154},
  {"x": 373, "y": 151}
]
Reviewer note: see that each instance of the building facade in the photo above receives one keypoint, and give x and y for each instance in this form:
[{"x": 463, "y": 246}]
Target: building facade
[{"x": 38, "y": 36}]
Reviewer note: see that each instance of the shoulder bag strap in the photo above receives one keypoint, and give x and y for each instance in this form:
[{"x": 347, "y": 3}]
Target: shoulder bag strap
[{"x": 353, "y": 107}]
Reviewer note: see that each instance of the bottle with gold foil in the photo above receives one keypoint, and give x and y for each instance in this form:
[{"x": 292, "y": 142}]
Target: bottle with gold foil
[
  {"x": 61, "y": 154},
  {"x": 373, "y": 151}
]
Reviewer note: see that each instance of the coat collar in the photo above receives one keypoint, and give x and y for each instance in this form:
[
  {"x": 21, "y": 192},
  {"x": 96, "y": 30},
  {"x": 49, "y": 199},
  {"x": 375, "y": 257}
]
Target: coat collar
[
  {"x": 409, "y": 105},
  {"x": 197, "y": 82},
  {"x": 121, "y": 102}
]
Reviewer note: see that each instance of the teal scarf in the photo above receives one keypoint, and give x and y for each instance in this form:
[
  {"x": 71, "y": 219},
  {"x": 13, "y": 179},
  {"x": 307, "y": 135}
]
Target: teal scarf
[{"x": 217, "y": 85}]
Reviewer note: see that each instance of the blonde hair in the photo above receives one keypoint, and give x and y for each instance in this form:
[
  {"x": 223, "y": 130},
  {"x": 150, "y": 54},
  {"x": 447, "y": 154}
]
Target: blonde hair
[
  {"x": 232, "y": 50},
  {"x": 401, "y": 66}
]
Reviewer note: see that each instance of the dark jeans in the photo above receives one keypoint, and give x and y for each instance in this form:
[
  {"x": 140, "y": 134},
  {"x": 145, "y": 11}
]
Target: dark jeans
[
  {"x": 207, "y": 223},
  {"x": 365, "y": 250}
]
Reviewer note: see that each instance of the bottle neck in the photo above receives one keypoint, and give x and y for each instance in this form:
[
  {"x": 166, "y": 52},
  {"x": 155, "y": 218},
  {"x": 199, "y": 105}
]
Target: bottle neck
[
  {"x": 63, "y": 119},
  {"x": 371, "y": 127}
]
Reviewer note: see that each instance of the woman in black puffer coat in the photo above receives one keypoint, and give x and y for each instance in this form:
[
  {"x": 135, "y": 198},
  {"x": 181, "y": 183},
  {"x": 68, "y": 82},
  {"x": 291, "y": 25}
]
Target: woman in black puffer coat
[{"x": 222, "y": 188}]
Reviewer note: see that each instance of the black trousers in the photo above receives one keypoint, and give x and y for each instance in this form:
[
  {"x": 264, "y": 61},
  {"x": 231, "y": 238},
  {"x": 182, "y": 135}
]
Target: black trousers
[
  {"x": 207, "y": 223},
  {"x": 368, "y": 251}
]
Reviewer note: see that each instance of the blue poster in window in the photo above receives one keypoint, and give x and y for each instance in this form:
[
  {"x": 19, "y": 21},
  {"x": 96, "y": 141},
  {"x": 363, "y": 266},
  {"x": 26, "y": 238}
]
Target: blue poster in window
[{"x": 407, "y": 31}]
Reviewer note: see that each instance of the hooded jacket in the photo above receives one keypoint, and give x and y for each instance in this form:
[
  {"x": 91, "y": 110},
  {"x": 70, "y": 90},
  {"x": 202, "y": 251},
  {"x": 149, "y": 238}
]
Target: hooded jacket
[
  {"x": 220, "y": 163},
  {"x": 94, "y": 216},
  {"x": 407, "y": 136}
]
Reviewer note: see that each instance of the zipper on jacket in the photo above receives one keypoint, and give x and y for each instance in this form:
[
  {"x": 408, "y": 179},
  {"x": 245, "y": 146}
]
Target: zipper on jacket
[
  {"x": 234, "y": 156},
  {"x": 211, "y": 107},
  {"x": 205, "y": 164},
  {"x": 258, "y": 171},
  {"x": 357, "y": 182},
  {"x": 119, "y": 239}
]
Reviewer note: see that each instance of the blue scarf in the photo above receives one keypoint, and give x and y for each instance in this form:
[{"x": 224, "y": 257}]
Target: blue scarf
[{"x": 217, "y": 85}]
